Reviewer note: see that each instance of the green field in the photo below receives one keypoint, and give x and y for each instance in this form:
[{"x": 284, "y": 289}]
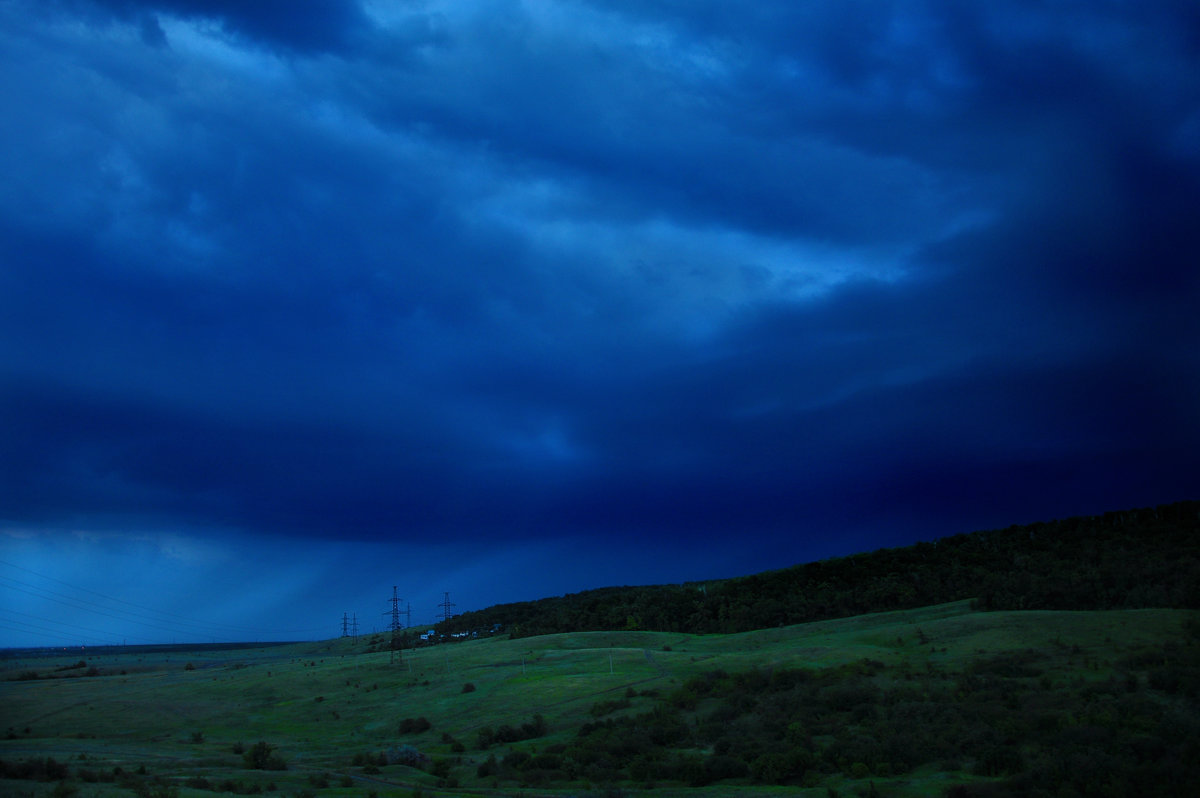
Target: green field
[{"x": 157, "y": 724}]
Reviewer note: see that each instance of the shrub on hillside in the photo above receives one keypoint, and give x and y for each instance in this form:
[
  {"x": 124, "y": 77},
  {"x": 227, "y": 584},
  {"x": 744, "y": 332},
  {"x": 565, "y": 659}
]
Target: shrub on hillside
[
  {"x": 415, "y": 725},
  {"x": 261, "y": 756},
  {"x": 406, "y": 755},
  {"x": 487, "y": 736},
  {"x": 488, "y": 768},
  {"x": 602, "y": 708},
  {"x": 36, "y": 769}
]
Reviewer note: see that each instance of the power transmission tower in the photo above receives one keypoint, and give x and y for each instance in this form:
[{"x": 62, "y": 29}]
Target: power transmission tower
[
  {"x": 446, "y": 605},
  {"x": 408, "y": 617},
  {"x": 395, "y": 626},
  {"x": 395, "y": 613},
  {"x": 354, "y": 627},
  {"x": 345, "y": 625}
]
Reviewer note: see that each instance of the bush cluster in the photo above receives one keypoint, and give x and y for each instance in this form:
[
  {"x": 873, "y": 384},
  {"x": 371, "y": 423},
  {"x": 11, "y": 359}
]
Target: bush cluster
[
  {"x": 602, "y": 708},
  {"x": 34, "y": 769},
  {"x": 226, "y": 786},
  {"x": 406, "y": 755},
  {"x": 487, "y": 736},
  {"x": 370, "y": 762},
  {"x": 262, "y": 756},
  {"x": 415, "y": 725},
  {"x": 46, "y": 769},
  {"x": 1006, "y": 718}
]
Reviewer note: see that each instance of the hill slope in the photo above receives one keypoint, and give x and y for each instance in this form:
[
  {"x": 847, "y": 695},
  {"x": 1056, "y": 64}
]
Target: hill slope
[
  {"x": 910, "y": 703},
  {"x": 1137, "y": 558}
]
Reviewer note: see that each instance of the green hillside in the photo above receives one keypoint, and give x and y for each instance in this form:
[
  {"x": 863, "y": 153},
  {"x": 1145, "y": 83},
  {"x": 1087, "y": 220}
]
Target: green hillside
[
  {"x": 1058, "y": 659},
  {"x": 1136, "y": 558},
  {"x": 988, "y": 693}
]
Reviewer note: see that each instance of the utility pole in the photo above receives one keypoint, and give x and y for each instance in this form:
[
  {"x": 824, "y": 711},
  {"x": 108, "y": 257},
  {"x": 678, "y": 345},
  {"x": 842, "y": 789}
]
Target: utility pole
[{"x": 395, "y": 626}]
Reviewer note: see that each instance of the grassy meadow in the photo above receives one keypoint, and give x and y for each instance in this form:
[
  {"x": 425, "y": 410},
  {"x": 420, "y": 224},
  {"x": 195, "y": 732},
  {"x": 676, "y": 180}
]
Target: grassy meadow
[{"x": 185, "y": 723}]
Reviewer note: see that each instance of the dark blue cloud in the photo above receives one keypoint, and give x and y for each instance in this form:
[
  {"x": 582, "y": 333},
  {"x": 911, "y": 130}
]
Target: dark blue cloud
[
  {"x": 770, "y": 283},
  {"x": 317, "y": 26}
]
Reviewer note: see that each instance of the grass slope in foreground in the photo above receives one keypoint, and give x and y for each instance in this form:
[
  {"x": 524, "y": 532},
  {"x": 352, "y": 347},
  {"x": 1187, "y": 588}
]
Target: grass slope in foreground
[{"x": 930, "y": 701}]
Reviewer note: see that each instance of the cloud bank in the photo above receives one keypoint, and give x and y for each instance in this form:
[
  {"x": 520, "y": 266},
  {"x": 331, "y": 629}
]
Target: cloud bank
[{"x": 765, "y": 283}]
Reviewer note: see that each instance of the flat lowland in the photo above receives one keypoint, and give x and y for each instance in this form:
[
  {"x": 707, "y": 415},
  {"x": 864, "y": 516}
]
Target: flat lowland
[{"x": 497, "y": 716}]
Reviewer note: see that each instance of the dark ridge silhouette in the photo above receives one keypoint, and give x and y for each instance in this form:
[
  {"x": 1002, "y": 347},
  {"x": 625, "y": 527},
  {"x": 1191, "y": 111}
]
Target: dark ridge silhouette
[{"x": 1148, "y": 557}]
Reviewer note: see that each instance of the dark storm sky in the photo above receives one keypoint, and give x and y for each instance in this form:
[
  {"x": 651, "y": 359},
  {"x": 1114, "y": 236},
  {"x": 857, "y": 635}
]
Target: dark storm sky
[{"x": 513, "y": 299}]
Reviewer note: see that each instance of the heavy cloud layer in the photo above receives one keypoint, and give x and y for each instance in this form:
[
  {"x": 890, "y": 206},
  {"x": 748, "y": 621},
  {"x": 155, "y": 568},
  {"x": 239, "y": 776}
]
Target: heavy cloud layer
[{"x": 596, "y": 271}]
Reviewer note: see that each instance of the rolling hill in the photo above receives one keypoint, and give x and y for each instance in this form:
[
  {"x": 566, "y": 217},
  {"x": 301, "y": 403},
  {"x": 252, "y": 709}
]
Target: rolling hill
[
  {"x": 1146, "y": 557},
  {"x": 965, "y": 697}
]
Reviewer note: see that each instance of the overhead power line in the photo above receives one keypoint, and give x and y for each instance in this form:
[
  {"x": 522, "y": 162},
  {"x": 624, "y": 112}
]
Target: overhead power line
[
  {"x": 94, "y": 634},
  {"x": 43, "y": 634}
]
